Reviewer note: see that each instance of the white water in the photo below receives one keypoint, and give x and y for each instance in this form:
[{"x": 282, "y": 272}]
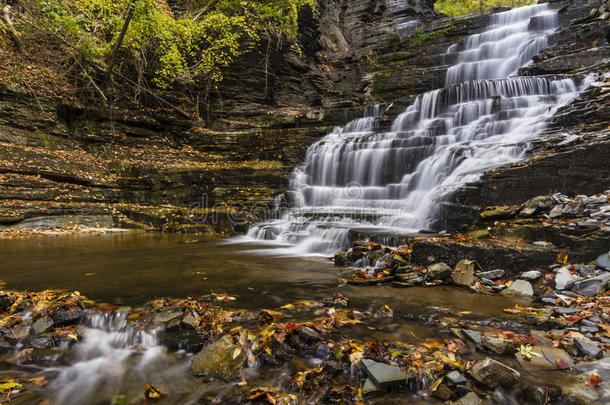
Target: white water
[
  {"x": 360, "y": 178},
  {"x": 115, "y": 359}
]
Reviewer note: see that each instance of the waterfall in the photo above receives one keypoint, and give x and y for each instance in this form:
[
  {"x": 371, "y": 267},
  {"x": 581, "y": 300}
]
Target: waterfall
[{"x": 360, "y": 179}]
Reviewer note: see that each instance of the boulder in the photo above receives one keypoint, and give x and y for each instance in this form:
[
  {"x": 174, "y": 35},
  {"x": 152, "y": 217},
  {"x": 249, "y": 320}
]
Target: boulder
[
  {"x": 222, "y": 359},
  {"x": 463, "y": 274},
  {"x": 519, "y": 287},
  {"x": 545, "y": 358},
  {"x": 493, "y": 373},
  {"x": 498, "y": 345},
  {"x": 439, "y": 271}
]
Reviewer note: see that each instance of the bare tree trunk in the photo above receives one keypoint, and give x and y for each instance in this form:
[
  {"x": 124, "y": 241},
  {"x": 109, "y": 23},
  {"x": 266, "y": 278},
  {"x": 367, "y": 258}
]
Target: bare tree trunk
[
  {"x": 6, "y": 16},
  {"x": 119, "y": 41}
]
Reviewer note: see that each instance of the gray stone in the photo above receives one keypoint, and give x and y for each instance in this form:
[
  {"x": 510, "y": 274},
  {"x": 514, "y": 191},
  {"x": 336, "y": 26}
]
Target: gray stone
[
  {"x": 497, "y": 345},
  {"x": 493, "y": 373},
  {"x": 383, "y": 375},
  {"x": 592, "y": 286},
  {"x": 369, "y": 388},
  {"x": 463, "y": 274},
  {"x": 562, "y": 278},
  {"x": 520, "y": 287},
  {"x": 189, "y": 321},
  {"x": 492, "y": 274},
  {"x": 603, "y": 261},
  {"x": 486, "y": 281},
  {"x": 472, "y": 335},
  {"x": 586, "y": 270},
  {"x": 64, "y": 317},
  {"x": 567, "y": 311},
  {"x": 439, "y": 271},
  {"x": 548, "y": 358},
  {"x": 455, "y": 377},
  {"x": 531, "y": 275},
  {"x": 587, "y": 347},
  {"x": 310, "y": 333},
  {"x": 221, "y": 359},
  {"x": 41, "y": 325}
]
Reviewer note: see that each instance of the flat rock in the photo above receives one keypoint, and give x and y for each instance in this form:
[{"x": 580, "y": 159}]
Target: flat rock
[
  {"x": 166, "y": 316},
  {"x": 492, "y": 274},
  {"x": 463, "y": 274},
  {"x": 41, "y": 325},
  {"x": 369, "y": 388},
  {"x": 567, "y": 311},
  {"x": 455, "y": 377},
  {"x": 221, "y": 359},
  {"x": 562, "y": 278},
  {"x": 473, "y": 335},
  {"x": 498, "y": 345},
  {"x": 439, "y": 271},
  {"x": 383, "y": 375},
  {"x": 493, "y": 373},
  {"x": 520, "y": 287},
  {"x": 592, "y": 286},
  {"x": 64, "y": 317},
  {"x": 531, "y": 275},
  {"x": 587, "y": 347},
  {"x": 536, "y": 205},
  {"x": 549, "y": 358}
]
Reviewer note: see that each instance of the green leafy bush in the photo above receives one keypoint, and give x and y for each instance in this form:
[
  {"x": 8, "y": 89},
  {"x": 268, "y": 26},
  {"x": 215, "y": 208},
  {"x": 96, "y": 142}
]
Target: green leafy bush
[{"x": 460, "y": 7}]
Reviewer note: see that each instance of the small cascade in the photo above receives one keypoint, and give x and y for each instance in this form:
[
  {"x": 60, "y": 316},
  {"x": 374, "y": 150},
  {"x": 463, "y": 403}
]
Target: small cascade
[
  {"x": 110, "y": 351},
  {"x": 365, "y": 181}
]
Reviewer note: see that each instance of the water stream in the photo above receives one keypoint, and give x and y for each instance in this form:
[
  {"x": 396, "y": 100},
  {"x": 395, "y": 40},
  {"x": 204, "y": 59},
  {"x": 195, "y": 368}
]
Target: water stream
[{"x": 372, "y": 182}]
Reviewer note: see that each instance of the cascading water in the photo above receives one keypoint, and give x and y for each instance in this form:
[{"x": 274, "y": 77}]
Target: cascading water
[{"x": 361, "y": 179}]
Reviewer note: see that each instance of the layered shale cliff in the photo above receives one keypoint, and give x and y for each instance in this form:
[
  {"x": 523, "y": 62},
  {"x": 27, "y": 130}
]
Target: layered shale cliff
[{"x": 65, "y": 162}]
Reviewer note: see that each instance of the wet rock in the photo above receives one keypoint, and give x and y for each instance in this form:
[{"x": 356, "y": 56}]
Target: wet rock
[
  {"x": 519, "y": 287},
  {"x": 531, "y": 275},
  {"x": 592, "y": 286},
  {"x": 340, "y": 259},
  {"x": 575, "y": 392},
  {"x": 497, "y": 345},
  {"x": 369, "y": 388},
  {"x": 545, "y": 358},
  {"x": 221, "y": 359},
  {"x": 186, "y": 339},
  {"x": 587, "y": 347},
  {"x": 562, "y": 278},
  {"x": 310, "y": 333},
  {"x": 64, "y": 317},
  {"x": 42, "y": 342},
  {"x": 534, "y": 394},
  {"x": 603, "y": 261},
  {"x": 492, "y": 274},
  {"x": 439, "y": 271},
  {"x": 189, "y": 321},
  {"x": 442, "y": 392},
  {"x": 586, "y": 270},
  {"x": 536, "y": 205},
  {"x": 455, "y": 377},
  {"x": 493, "y": 373},
  {"x": 463, "y": 274},
  {"x": 469, "y": 399},
  {"x": 500, "y": 212},
  {"x": 166, "y": 316},
  {"x": 383, "y": 375},
  {"x": 41, "y": 325},
  {"x": 472, "y": 335},
  {"x": 567, "y": 311},
  {"x": 19, "y": 332}
]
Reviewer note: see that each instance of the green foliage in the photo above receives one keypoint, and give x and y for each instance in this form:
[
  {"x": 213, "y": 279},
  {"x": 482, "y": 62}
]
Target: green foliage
[
  {"x": 460, "y": 7},
  {"x": 196, "y": 47}
]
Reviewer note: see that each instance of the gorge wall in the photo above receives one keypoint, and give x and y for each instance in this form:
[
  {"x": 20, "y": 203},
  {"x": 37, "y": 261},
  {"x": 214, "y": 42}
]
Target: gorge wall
[{"x": 62, "y": 163}]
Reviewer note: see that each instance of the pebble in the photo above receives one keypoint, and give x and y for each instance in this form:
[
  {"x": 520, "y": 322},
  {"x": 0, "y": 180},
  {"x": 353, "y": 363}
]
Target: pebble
[{"x": 531, "y": 275}]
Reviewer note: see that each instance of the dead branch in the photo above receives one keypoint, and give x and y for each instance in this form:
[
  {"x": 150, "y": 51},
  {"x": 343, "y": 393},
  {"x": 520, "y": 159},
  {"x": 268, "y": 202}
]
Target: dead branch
[{"x": 6, "y": 16}]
